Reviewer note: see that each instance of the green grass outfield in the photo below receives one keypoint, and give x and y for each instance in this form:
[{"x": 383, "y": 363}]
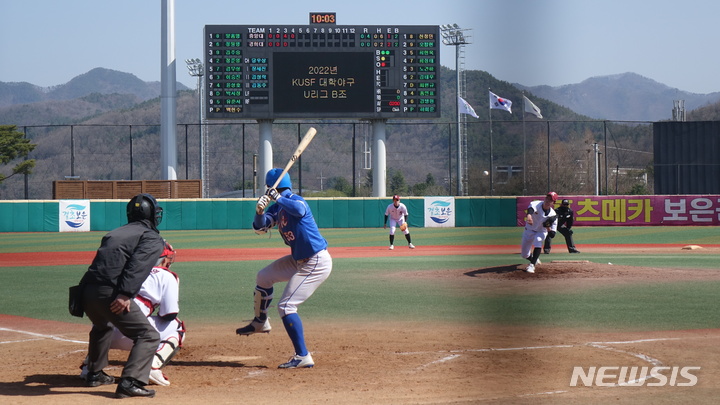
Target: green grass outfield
[{"x": 377, "y": 288}]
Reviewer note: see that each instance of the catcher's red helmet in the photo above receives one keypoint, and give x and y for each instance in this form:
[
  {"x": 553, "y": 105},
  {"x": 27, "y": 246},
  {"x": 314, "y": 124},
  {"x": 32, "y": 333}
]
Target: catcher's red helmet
[
  {"x": 168, "y": 252},
  {"x": 553, "y": 195}
]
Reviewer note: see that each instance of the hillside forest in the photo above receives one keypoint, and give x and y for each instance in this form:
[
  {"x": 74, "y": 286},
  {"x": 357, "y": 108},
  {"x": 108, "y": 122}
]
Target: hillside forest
[{"x": 115, "y": 136}]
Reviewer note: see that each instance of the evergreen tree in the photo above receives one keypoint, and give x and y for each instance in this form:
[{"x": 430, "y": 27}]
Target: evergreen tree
[{"x": 14, "y": 146}]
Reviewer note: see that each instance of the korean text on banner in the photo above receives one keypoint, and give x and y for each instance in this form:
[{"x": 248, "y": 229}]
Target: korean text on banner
[
  {"x": 440, "y": 212},
  {"x": 74, "y": 215}
]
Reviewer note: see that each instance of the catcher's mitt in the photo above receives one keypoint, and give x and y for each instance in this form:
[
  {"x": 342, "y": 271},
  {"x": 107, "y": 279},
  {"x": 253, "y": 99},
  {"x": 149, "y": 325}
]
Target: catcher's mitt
[
  {"x": 403, "y": 227},
  {"x": 548, "y": 222}
]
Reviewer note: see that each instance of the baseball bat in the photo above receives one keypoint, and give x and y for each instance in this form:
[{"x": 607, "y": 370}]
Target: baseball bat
[{"x": 309, "y": 135}]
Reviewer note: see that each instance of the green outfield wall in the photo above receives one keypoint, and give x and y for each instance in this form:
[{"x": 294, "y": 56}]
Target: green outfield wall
[{"x": 184, "y": 214}]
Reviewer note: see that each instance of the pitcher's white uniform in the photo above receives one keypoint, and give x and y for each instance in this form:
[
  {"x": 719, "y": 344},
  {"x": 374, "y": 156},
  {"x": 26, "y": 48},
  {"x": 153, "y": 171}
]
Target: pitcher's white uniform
[{"x": 535, "y": 234}]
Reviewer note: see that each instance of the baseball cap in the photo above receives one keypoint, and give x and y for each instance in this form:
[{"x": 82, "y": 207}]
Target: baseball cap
[
  {"x": 396, "y": 197},
  {"x": 565, "y": 202}
]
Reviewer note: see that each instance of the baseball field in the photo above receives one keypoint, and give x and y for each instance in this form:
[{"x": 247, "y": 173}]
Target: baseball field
[{"x": 633, "y": 319}]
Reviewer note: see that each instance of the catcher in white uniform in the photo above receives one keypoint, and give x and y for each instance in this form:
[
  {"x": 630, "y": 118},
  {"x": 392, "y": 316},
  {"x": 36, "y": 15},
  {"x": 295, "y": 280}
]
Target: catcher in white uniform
[
  {"x": 540, "y": 221},
  {"x": 398, "y": 214},
  {"x": 160, "y": 291}
]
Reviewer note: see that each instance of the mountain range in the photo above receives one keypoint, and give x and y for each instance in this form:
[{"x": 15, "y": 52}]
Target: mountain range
[
  {"x": 621, "y": 97},
  {"x": 98, "y": 80},
  {"x": 113, "y": 100}
]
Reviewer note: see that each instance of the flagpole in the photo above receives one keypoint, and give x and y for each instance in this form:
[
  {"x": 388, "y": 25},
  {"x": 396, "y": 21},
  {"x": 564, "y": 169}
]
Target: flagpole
[
  {"x": 548, "y": 155},
  {"x": 492, "y": 170},
  {"x": 524, "y": 147}
]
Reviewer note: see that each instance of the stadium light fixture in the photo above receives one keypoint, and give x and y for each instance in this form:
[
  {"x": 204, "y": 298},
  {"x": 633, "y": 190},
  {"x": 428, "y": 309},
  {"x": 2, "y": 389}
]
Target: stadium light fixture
[
  {"x": 453, "y": 35},
  {"x": 195, "y": 68}
]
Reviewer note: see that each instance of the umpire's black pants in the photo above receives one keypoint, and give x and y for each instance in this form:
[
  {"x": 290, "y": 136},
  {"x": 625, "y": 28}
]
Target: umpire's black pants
[
  {"x": 133, "y": 324},
  {"x": 567, "y": 233}
]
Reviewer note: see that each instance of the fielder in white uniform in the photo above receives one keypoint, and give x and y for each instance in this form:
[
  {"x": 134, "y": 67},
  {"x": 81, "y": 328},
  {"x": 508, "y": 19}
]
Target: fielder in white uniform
[
  {"x": 159, "y": 292},
  {"x": 398, "y": 214},
  {"x": 539, "y": 221}
]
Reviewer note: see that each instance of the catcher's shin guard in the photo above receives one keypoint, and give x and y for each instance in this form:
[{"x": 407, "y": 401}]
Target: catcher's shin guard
[
  {"x": 166, "y": 351},
  {"x": 262, "y": 298}
]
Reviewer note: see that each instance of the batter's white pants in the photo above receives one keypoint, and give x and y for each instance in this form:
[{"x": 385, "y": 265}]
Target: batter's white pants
[{"x": 303, "y": 278}]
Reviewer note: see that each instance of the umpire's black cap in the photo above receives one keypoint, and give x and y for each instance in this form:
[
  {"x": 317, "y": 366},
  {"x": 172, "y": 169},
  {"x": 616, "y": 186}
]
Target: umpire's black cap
[{"x": 565, "y": 202}]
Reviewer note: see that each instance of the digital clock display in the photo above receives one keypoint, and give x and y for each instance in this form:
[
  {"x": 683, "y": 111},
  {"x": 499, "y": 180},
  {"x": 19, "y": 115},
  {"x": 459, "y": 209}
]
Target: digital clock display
[
  {"x": 323, "y": 18},
  {"x": 320, "y": 71}
]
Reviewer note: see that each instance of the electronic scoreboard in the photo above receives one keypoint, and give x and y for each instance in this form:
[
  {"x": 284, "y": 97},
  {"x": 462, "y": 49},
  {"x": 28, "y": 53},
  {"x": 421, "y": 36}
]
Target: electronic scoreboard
[{"x": 321, "y": 70}]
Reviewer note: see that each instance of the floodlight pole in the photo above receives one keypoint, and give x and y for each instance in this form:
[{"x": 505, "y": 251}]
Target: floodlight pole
[
  {"x": 195, "y": 68},
  {"x": 453, "y": 35}
]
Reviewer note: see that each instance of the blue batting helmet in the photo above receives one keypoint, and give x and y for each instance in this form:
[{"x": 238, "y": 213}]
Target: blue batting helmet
[{"x": 272, "y": 176}]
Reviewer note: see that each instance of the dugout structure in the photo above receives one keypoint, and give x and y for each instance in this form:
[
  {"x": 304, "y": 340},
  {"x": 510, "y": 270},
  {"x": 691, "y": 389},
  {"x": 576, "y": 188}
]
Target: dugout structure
[{"x": 687, "y": 157}]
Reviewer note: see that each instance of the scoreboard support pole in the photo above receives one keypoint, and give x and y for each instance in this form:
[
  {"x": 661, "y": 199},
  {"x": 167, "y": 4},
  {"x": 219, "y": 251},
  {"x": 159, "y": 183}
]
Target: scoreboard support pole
[
  {"x": 265, "y": 162},
  {"x": 379, "y": 159}
]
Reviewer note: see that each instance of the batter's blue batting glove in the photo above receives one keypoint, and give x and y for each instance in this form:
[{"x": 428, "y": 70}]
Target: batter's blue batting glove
[{"x": 272, "y": 193}]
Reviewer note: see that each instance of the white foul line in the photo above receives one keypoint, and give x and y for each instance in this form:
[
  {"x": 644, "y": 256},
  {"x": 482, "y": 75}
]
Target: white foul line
[
  {"x": 20, "y": 341},
  {"x": 597, "y": 345},
  {"x": 444, "y": 359},
  {"x": 500, "y": 349},
  {"x": 633, "y": 341},
  {"x": 40, "y": 335}
]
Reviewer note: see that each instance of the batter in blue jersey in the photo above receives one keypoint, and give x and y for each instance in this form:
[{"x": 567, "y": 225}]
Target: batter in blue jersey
[{"x": 306, "y": 267}]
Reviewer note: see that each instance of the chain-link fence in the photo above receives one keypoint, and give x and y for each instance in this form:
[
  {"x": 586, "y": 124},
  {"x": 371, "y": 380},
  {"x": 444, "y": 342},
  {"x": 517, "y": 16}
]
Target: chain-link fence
[
  {"x": 521, "y": 158},
  {"x": 571, "y": 157}
]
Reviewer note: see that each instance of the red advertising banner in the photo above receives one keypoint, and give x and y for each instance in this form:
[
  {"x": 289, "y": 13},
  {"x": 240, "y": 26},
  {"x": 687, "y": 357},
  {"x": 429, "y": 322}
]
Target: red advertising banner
[{"x": 636, "y": 210}]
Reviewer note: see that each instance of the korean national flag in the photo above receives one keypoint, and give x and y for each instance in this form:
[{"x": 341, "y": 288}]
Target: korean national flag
[{"x": 500, "y": 103}]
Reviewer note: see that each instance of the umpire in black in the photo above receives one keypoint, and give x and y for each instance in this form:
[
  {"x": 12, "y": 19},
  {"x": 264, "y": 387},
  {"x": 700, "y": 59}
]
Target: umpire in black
[
  {"x": 565, "y": 218},
  {"x": 122, "y": 263}
]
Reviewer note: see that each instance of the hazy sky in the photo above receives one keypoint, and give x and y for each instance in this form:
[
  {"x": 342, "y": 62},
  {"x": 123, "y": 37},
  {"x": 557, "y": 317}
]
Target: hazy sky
[
  {"x": 532, "y": 42},
  {"x": 557, "y": 42}
]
